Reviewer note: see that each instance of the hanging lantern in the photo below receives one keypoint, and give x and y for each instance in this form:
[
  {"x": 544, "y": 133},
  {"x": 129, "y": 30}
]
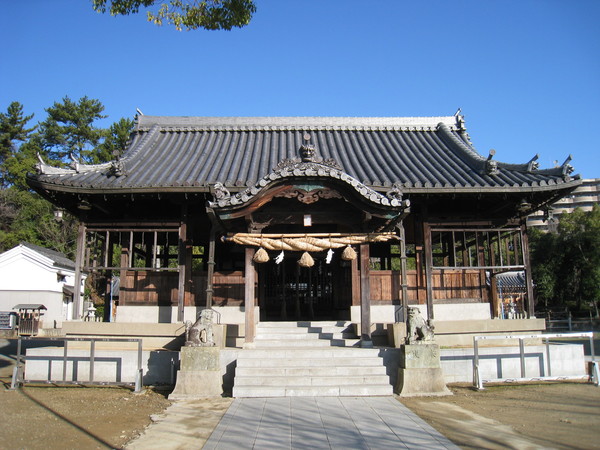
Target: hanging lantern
[
  {"x": 349, "y": 254},
  {"x": 261, "y": 256},
  {"x": 306, "y": 260}
]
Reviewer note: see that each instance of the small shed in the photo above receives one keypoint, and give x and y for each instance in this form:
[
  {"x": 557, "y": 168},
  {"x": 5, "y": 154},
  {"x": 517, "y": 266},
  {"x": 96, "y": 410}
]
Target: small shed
[
  {"x": 29, "y": 318},
  {"x": 511, "y": 289}
]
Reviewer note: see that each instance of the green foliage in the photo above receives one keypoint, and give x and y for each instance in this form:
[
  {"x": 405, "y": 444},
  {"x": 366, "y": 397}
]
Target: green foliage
[
  {"x": 186, "y": 14},
  {"x": 70, "y": 130},
  {"x": 21, "y": 161},
  {"x": 13, "y": 129},
  {"x": 115, "y": 143},
  {"x": 566, "y": 265},
  {"x": 25, "y": 216}
]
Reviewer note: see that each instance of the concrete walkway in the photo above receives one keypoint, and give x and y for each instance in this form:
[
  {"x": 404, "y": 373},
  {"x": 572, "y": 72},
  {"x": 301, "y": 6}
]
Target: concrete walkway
[
  {"x": 323, "y": 423},
  {"x": 289, "y": 423}
]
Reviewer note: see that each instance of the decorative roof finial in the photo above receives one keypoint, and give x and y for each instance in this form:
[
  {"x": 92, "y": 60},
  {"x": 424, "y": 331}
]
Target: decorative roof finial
[
  {"x": 491, "y": 166},
  {"x": 307, "y": 151}
]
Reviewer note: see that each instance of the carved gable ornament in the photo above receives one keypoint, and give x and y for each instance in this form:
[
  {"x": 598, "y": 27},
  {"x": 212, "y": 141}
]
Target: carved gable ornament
[
  {"x": 309, "y": 197},
  {"x": 308, "y": 166}
]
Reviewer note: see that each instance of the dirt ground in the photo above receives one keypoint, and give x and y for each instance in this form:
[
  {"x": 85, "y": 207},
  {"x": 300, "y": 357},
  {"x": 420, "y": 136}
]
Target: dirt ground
[
  {"x": 74, "y": 417},
  {"x": 562, "y": 415}
]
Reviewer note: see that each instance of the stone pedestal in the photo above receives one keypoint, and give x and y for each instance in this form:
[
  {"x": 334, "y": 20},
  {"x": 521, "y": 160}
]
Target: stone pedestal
[
  {"x": 199, "y": 375},
  {"x": 420, "y": 371},
  {"x": 396, "y": 334}
]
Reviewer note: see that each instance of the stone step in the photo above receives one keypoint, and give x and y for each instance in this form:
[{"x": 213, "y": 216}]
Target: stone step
[
  {"x": 310, "y": 353},
  {"x": 309, "y": 330},
  {"x": 309, "y": 362},
  {"x": 304, "y": 324},
  {"x": 298, "y": 343},
  {"x": 313, "y": 391},
  {"x": 305, "y": 336},
  {"x": 309, "y": 359},
  {"x": 291, "y": 381},
  {"x": 310, "y": 371}
]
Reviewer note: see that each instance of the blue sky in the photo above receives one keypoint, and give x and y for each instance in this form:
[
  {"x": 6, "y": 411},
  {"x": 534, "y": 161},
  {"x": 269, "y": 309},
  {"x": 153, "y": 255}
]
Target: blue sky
[{"x": 526, "y": 73}]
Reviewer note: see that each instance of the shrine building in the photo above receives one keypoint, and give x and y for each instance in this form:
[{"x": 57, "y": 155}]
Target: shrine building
[{"x": 303, "y": 219}]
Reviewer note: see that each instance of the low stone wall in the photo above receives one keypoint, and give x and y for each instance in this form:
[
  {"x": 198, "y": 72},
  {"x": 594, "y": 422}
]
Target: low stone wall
[
  {"x": 159, "y": 367},
  {"x": 46, "y": 364},
  {"x": 504, "y": 362}
]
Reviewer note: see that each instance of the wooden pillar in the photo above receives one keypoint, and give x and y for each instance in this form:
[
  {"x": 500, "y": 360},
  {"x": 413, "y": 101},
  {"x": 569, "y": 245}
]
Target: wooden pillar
[
  {"x": 355, "y": 281},
  {"x": 211, "y": 270},
  {"x": 182, "y": 266},
  {"x": 365, "y": 298},
  {"x": 403, "y": 274},
  {"x": 249, "y": 280},
  {"x": 428, "y": 268},
  {"x": 527, "y": 264},
  {"x": 79, "y": 261},
  {"x": 189, "y": 255}
]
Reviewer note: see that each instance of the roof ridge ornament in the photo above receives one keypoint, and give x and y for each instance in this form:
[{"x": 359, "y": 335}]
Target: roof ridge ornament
[
  {"x": 395, "y": 192},
  {"x": 75, "y": 164},
  {"x": 533, "y": 163},
  {"x": 117, "y": 168},
  {"x": 567, "y": 169},
  {"x": 307, "y": 150},
  {"x": 491, "y": 166},
  {"x": 219, "y": 192}
]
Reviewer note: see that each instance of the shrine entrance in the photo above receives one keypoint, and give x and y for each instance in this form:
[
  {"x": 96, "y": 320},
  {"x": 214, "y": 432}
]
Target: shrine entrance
[{"x": 289, "y": 292}]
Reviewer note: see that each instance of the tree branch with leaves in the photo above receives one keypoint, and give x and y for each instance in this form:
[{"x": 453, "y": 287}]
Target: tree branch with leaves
[{"x": 185, "y": 14}]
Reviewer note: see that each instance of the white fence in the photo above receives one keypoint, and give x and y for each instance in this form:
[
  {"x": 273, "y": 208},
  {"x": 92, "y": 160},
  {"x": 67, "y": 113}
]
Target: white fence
[
  {"x": 592, "y": 375},
  {"x": 18, "y": 378}
]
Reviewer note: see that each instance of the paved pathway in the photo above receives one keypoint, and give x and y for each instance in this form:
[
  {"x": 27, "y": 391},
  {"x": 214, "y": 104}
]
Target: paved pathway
[{"x": 323, "y": 423}]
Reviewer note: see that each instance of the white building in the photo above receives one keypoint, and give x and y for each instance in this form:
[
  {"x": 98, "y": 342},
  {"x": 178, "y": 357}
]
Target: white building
[
  {"x": 585, "y": 197},
  {"x": 30, "y": 274}
]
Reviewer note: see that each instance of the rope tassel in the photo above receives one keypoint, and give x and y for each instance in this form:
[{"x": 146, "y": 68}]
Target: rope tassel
[
  {"x": 349, "y": 254},
  {"x": 306, "y": 260},
  {"x": 261, "y": 256}
]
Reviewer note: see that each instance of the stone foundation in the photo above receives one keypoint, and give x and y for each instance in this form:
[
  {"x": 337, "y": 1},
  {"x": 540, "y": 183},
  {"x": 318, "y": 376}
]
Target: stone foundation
[
  {"x": 420, "y": 371},
  {"x": 199, "y": 375}
]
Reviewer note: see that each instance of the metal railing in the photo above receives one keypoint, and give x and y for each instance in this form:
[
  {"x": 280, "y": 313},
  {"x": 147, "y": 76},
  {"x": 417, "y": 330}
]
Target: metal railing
[
  {"x": 18, "y": 372},
  {"x": 593, "y": 374}
]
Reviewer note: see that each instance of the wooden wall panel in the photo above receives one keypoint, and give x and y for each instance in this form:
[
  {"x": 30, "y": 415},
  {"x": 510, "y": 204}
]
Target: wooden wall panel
[
  {"x": 228, "y": 288},
  {"x": 160, "y": 288},
  {"x": 149, "y": 288},
  {"x": 451, "y": 285}
]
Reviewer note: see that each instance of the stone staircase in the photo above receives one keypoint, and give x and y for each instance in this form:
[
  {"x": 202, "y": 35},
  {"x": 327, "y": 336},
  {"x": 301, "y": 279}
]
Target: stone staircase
[{"x": 309, "y": 359}]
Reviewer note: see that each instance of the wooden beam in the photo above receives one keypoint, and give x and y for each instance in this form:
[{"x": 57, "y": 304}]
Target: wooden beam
[{"x": 365, "y": 297}]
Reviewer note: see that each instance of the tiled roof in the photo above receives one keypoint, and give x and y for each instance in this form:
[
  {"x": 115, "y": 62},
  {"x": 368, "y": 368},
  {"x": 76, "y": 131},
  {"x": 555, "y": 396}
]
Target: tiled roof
[
  {"x": 191, "y": 153},
  {"x": 59, "y": 259}
]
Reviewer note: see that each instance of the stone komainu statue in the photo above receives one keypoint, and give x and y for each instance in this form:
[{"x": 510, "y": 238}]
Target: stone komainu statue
[
  {"x": 200, "y": 334},
  {"x": 419, "y": 330}
]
